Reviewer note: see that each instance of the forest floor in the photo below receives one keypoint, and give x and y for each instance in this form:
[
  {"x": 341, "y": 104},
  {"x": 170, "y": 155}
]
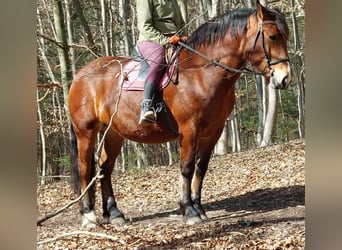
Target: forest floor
[{"x": 254, "y": 200}]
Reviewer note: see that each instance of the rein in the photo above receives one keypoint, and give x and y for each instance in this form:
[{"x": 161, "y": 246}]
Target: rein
[
  {"x": 245, "y": 70},
  {"x": 216, "y": 63}
]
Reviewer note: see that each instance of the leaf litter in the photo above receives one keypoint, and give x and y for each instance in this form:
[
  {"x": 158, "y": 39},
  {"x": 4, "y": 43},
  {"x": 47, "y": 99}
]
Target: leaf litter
[{"x": 254, "y": 200}]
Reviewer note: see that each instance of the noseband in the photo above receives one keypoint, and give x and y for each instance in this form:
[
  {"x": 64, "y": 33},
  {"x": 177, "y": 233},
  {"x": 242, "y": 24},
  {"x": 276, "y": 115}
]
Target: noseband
[{"x": 269, "y": 63}]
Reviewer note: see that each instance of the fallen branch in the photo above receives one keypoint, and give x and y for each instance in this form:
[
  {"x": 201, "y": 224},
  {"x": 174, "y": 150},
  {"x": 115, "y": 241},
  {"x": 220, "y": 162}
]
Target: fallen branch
[
  {"x": 48, "y": 216},
  {"x": 96, "y": 235}
]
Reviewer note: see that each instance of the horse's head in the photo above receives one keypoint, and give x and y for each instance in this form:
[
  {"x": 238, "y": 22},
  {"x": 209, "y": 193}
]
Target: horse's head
[{"x": 268, "y": 51}]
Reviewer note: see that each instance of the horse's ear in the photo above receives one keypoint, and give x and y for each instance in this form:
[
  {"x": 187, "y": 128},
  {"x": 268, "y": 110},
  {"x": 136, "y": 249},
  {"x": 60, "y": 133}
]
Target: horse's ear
[{"x": 261, "y": 11}]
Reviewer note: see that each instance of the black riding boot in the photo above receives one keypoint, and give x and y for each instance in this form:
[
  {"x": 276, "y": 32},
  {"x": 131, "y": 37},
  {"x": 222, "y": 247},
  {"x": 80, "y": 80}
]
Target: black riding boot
[{"x": 147, "y": 114}]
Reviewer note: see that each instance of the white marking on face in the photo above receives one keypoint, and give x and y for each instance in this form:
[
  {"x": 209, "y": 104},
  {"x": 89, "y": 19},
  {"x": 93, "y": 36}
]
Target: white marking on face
[{"x": 280, "y": 75}]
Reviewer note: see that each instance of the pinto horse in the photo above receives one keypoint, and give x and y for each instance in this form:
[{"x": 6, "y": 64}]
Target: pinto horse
[{"x": 199, "y": 104}]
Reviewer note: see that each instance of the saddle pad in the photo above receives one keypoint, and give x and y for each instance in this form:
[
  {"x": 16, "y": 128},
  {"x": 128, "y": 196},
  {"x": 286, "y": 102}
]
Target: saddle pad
[{"x": 135, "y": 73}]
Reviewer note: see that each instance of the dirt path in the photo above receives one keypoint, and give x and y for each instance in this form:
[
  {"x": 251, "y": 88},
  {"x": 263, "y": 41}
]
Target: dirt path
[{"x": 254, "y": 200}]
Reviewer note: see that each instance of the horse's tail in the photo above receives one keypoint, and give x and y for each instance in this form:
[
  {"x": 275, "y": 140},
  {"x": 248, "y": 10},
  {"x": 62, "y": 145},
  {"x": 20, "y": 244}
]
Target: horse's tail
[{"x": 75, "y": 165}]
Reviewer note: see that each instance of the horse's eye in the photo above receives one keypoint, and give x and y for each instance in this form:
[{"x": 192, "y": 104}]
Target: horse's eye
[{"x": 272, "y": 37}]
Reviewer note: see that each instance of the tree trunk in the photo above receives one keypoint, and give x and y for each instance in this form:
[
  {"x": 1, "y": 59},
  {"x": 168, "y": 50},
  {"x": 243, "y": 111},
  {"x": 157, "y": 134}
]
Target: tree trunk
[
  {"x": 300, "y": 91},
  {"x": 268, "y": 113},
  {"x": 124, "y": 40},
  {"x": 87, "y": 33},
  {"x": 234, "y": 132},
  {"x": 70, "y": 31},
  {"x": 141, "y": 156},
  {"x": 270, "y": 117},
  {"x": 215, "y": 8},
  {"x": 133, "y": 14},
  {"x": 250, "y": 3},
  {"x": 123, "y": 156},
  {"x": 104, "y": 10},
  {"x": 43, "y": 145},
  {"x": 221, "y": 147},
  {"x": 261, "y": 109},
  {"x": 237, "y": 137},
  {"x": 62, "y": 51},
  {"x": 301, "y": 107},
  {"x": 263, "y": 2},
  {"x": 42, "y": 49},
  {"x": 169, "y": 153}
]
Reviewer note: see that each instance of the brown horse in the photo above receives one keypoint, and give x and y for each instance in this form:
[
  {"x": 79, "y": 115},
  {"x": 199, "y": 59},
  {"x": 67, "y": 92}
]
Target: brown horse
[{"x": 198, "y": 105}]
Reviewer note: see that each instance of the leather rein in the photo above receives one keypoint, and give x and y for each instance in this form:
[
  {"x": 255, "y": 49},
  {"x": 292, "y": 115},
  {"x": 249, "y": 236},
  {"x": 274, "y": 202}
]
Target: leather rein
[{"x": 244, "y": 70}]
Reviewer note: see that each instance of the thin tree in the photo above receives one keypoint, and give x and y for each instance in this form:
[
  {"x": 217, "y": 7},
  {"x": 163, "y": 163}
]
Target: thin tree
[
  {"x": 64, "y": 60},
  {"x": 300, "y": 92},
  {"x": 43, "y": 144},
  {"x": 105, "y": 37},
  {"x": 70, "y": 30},
  {"x": 267, "y": 107},
  {"x": 271, "y": 116},
  {"x": 123, "y": 23},
  {"x": 87, "y": 33}
]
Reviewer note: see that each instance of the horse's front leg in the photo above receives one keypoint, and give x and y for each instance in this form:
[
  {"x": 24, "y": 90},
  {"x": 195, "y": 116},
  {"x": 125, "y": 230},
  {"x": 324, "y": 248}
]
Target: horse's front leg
[
  {"x": 197, "y": 182},
  {"x": 204, "y": 150},
  {"x": 187, "y": 164}
]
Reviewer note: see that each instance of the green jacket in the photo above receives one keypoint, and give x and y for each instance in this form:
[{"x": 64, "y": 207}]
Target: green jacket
[{"x": 159, "y": 19}]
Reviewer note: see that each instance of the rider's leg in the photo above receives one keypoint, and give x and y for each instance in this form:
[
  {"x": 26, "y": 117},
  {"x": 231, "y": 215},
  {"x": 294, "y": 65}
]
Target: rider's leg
[{"x": 155, "y": 56}]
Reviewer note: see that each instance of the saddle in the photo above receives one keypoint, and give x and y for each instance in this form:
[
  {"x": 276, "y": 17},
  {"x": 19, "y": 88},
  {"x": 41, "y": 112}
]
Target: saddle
[{"x": 134, "y": 74}]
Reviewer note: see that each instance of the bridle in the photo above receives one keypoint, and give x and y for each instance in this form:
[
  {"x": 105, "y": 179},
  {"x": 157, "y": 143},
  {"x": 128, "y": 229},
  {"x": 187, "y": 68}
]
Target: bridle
[
  {"x": 268, "y": 60},
  {"x": 244, "y": 70}
]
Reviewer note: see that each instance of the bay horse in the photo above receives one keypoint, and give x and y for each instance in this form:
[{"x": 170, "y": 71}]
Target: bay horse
[{"x": 199, "y": 104}]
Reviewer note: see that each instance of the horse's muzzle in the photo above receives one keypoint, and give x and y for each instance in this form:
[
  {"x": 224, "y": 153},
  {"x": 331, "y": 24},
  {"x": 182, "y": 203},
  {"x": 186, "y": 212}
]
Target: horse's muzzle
[{"x": 281, "y": 78}]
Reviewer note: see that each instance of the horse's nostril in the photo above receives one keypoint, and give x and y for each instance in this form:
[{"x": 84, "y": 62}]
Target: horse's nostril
[
  {"x": 283, "y": 83},
  {"x": 286, "y": 81}
]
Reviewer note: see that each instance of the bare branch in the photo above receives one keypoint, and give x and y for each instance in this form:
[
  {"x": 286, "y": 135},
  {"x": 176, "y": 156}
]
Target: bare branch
[
  {"x": 48, "y": 216},
  {"x": 96, "y": 235},
  {"x": 49, "y": 85},
  {"x": 86, "y": 48},
  {"x": 50, "y": 39},
  {"x": 92, "y": 51},
  {"x": 44, "y": 96}
]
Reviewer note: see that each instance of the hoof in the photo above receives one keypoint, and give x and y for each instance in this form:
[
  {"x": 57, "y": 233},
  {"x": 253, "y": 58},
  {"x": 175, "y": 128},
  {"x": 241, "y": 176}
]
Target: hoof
[
  {"x": 203, "y": 217},
  {"x": 90, "y": 220},
  {"x": 104, "y": 220},
  {"x": 118, "y": 221},
  {"x": 192, "y": 220}
]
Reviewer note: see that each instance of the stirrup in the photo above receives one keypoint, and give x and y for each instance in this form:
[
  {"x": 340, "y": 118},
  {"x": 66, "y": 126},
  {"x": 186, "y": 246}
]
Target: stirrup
[
  {"x": 147, "y": 114},
  {"x": 147, "y": 118}
]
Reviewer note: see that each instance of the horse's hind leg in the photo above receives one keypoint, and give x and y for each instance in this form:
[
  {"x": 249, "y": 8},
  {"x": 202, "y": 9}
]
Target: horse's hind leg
[
  {"x": 86, "y": 171},
  {"x": 110, "y": 150}
]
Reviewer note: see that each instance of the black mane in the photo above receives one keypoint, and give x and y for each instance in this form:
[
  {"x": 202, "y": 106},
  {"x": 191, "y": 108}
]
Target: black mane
[{"x": 235, "y": 21}]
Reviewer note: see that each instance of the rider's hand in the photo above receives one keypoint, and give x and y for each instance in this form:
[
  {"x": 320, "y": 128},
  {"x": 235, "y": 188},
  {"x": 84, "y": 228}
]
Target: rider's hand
[
  {"x": 174, "y": 40},
  {"x": 184, "y": 38}
]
